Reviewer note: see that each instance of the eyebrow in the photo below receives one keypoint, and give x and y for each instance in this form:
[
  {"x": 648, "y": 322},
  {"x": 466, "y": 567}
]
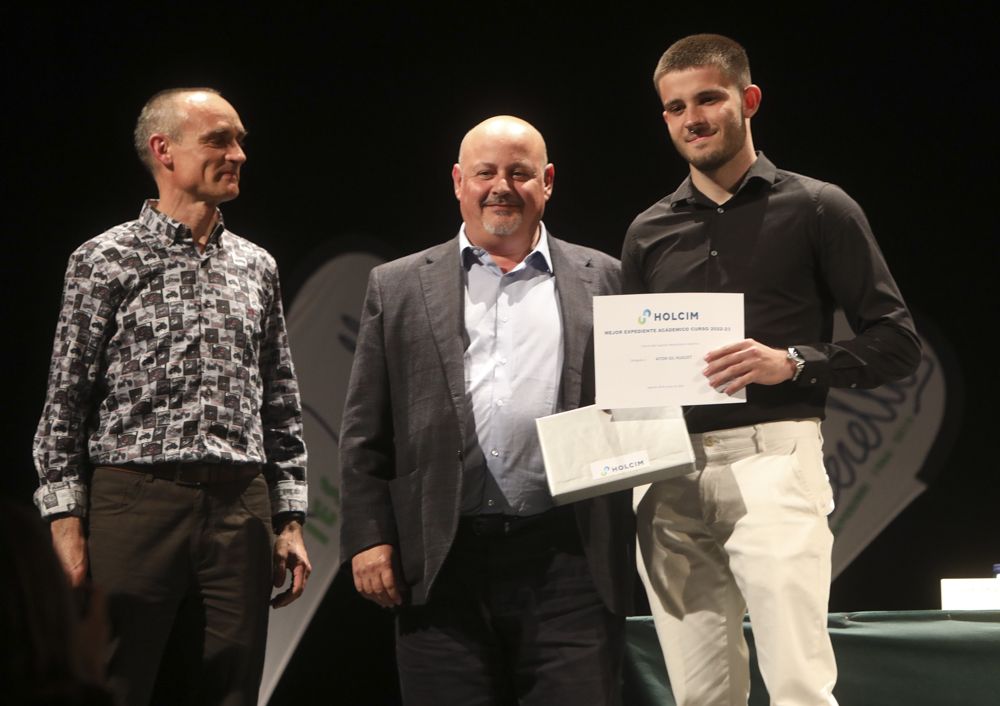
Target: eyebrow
[
  {"x": 517, "y": 164},
  {"x": 241, "y": 134},
  {"x": 706, "y": 93}
]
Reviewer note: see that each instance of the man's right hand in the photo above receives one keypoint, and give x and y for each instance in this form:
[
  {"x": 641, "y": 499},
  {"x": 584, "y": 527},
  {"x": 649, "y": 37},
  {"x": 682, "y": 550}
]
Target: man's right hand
[
  {"x": 374, "y": 576},
  {"x": 71, "y": 548}
]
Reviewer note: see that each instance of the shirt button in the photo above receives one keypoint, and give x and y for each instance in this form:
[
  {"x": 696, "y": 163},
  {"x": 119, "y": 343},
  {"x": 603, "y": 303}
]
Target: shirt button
[
  {"x": 502, "y": 361},
  {"x": 713, "y": 253},
  {"x": 494, "y": 452},
  {"x": 720, "y": 209},
  {"x": 708, "y": 441},
  {"x": 499, "y": 403},
  {"x": 491, "y": 502}
]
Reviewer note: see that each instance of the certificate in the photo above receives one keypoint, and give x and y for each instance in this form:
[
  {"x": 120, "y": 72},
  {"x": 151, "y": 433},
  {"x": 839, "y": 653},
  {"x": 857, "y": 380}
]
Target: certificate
[{"x": 649, "y": 349}]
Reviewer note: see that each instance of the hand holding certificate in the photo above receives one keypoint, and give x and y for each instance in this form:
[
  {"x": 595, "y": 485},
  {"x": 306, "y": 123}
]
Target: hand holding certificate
[
  {"x": 649, "y": 349},
  {"x": 649, "y": 352}
]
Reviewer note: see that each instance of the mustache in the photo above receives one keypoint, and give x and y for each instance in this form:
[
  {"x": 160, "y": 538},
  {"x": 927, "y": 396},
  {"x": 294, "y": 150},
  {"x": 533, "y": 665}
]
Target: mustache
[
  {"x": 696, "y": 131},
  {"x": 509, "y": 200}
]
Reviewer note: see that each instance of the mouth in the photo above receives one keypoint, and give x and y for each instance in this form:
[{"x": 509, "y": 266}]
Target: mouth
[
  {"x": 503, "y": 205},
  {"x": 698, "y": 136}
]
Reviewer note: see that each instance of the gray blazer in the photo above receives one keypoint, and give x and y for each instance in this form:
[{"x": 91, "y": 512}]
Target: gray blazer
[{"x": 403, "y": 438}]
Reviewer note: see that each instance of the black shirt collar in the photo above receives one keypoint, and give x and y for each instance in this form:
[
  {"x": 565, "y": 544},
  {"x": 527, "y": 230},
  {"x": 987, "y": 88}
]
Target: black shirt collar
[{"x": 762, "y": 171}]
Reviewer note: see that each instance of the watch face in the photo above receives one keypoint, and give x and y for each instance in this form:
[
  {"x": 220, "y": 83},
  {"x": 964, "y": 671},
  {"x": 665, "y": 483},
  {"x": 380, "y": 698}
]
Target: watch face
[{"x": 799, "y": 361}]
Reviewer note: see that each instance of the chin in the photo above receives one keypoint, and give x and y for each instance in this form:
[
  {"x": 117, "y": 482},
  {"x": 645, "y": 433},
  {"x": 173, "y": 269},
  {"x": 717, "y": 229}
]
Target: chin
[
  {"x": 709, "y": 162},
  {"x": 503, "y": 228}
]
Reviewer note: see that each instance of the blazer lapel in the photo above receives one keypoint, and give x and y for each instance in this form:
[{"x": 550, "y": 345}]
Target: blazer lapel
[
  {"x": 575, "y": 285},
  {"x": 441, "y": 284}
]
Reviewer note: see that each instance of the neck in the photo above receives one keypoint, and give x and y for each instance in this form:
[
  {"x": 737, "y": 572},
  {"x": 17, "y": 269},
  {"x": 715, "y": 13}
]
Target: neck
[
  {"x": 507, "y": 251},
  {"x": 199, "y": 216},
  {"x": 720, "y": 184}
]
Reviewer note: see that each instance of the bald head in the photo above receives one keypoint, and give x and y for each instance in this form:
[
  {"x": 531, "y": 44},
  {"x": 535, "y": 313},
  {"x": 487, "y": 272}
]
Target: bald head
[
  {"x": 502, "y": 182},
  {"x": 165, "y": 113},
  {"x": 504, "y": 128}
]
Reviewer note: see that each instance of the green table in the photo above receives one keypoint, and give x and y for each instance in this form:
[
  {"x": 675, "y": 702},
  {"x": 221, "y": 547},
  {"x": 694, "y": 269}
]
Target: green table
[{"x": 916, "y": 658}]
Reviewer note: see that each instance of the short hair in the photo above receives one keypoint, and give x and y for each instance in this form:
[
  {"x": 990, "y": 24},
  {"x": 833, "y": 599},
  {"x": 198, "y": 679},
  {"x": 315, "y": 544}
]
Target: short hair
[
  {"x": 706, "y": 50},
  {"x": 160, "y": 115}
]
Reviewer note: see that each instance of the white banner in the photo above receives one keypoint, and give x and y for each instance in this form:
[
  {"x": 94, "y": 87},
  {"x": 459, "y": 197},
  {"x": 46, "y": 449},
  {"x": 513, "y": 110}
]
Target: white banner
[
  {"x": 322, "y": 328},
  {"x": 875, "y": 444}
]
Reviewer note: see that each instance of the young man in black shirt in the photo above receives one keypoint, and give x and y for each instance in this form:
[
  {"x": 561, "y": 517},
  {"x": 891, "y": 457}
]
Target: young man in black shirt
[{"x": 748, "y": 529}]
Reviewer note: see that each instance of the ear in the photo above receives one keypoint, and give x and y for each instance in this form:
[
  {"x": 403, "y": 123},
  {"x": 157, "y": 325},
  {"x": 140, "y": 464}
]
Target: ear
[
  {"x": 159, "y": 147},
  {"x": 456, "y": 178},
  {"x": 751, "y": 100},
  {"x": 550, "y": 177}
]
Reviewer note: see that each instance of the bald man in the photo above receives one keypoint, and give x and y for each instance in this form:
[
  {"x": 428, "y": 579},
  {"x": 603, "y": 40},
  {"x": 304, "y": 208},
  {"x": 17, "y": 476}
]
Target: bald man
[
  {"x": 170, "y": 447},
  {"x": 500, "y": 596}
]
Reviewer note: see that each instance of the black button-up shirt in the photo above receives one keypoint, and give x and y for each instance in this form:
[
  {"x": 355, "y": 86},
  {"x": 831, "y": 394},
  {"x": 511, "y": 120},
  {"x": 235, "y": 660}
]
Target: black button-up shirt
[
  {"x": 797, "y": 248},
  {"x": 167, "y": 354}
]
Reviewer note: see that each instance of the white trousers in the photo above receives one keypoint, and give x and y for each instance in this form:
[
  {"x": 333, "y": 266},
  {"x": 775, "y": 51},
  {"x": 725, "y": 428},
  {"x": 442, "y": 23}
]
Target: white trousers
[{"x": 747, "y": 530}]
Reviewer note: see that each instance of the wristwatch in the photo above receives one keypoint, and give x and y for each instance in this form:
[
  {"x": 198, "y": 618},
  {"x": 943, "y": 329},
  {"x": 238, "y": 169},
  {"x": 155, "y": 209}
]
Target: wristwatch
[{"x": 800, "y": 362}]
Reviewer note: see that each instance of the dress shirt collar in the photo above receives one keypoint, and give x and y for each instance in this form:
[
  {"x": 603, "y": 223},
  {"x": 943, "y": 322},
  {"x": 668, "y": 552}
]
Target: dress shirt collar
[
  {"x": 762, "y": 170},
  {"x": 539, "y": 258},
  {"x": 172, "y": 231}
]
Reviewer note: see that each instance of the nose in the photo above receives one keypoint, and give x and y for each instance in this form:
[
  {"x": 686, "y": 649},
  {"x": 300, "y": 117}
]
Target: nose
[
  {"x": 236, "y": 153},
  {"x": 501, "y": 184},
  {"x": 693, "y": 119}
]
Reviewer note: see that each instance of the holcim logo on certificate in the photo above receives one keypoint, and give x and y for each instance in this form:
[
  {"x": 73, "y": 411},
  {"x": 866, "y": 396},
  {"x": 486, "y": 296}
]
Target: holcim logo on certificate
[{"x": 636, "y": 461}]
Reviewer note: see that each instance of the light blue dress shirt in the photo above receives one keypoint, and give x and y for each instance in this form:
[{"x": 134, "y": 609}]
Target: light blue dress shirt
[{"x": 513, "y": 366}]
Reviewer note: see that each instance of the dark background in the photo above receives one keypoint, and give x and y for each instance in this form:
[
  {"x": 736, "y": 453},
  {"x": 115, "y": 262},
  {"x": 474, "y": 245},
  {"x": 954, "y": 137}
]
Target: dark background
[{"x": 355, "y": 113}]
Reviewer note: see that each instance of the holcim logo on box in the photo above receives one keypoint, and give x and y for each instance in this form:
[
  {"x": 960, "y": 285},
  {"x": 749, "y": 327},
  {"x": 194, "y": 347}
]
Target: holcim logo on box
[{"x": 620, "y": 464}]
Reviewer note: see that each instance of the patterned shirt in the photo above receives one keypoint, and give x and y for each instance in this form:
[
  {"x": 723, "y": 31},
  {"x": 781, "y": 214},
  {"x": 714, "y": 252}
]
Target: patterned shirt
[{"x": 167, "y": 354}]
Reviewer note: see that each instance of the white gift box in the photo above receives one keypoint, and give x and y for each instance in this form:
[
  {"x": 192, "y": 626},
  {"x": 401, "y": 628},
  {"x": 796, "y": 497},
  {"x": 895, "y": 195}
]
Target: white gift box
[{"x": 591, "y": 451}]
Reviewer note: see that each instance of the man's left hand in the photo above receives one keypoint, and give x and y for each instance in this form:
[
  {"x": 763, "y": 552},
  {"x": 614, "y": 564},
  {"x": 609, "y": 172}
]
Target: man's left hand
[
  {"x": 290, "y": 555},
  {"x": 733, "y": 367}
]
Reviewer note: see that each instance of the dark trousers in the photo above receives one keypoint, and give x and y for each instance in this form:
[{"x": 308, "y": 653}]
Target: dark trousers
[
  {"x": 513, "y": 618},
  {"x": 187, "y": 573}
]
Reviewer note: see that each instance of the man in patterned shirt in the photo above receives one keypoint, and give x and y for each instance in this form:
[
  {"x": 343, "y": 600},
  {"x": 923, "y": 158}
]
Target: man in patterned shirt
[{"x": 170, "y": 447}]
